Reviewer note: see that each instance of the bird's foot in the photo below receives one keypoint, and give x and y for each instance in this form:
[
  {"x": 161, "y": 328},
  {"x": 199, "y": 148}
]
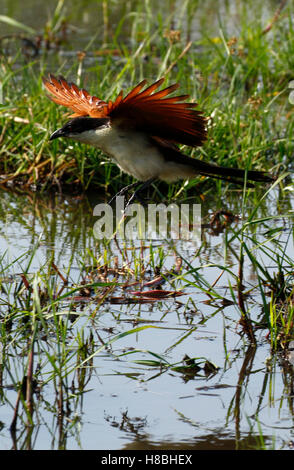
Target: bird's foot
[
  {"x": 124, "y": 190},
  {"x": 135, "y": 196}
]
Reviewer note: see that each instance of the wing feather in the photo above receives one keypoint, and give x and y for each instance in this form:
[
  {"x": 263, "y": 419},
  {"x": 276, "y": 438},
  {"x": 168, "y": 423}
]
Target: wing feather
[
  {"x": 166, "y": 118},
  {"x": 147, "y": 111},
  {"x": 148, "y": 90},
  {"x": 135, "y": 90},
  {"x": 78, "y": 100}
]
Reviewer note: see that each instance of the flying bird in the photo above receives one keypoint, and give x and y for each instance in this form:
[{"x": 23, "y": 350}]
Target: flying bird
[{"x": 141, "y": 132}]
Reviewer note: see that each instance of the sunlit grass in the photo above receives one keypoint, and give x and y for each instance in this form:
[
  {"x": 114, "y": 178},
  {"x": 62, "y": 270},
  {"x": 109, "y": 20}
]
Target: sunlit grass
[{"x": 240, "y": 83}]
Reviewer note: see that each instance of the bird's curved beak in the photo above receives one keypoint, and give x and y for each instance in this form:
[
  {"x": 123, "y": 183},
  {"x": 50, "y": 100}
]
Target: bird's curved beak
[{"x": 59, "y": 133}]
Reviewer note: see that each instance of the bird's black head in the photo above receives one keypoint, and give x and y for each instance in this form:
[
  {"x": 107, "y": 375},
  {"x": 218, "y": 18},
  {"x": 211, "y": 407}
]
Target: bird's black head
[{"x": 78, "y": 125}]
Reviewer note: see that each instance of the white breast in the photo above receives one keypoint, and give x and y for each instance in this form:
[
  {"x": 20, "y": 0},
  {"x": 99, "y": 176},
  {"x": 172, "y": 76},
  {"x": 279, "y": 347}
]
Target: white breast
[
  {"x": 131, "y": 151},
  {"x": 134, "y": 153}
]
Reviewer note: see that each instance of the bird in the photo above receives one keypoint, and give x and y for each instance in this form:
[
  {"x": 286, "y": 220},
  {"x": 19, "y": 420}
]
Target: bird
[{"x": 142, "y": 131}]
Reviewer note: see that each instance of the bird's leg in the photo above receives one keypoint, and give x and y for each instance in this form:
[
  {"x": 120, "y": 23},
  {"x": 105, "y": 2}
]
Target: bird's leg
[
  {"x": 135, "y": 193},
  {"x": 124, "y": 190},
  {"x": 141, "y": 188}
]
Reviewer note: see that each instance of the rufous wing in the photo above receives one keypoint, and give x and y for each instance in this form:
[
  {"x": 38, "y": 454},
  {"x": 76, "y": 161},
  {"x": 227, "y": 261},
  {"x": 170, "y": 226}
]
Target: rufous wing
[
  {"x": 77, "y": 99},
  {"x": 166, "y": 118},
  {"x": 145, "y": 110}
]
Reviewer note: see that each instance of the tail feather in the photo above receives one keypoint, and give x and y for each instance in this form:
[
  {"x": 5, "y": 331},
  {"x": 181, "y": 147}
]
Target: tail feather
[
  {"x": 225, "y": 173},
  {"x": 198, "y": 167}
]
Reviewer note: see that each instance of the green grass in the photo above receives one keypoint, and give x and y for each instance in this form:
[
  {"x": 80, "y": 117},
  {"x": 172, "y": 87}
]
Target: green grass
[{"x": 241, "y": 83}]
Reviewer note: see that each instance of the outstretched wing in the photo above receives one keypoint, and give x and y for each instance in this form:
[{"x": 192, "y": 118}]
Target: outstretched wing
[
  {"x": 77, "y": 99},
  {"x": 147, "y": 110},
  {"x": 165, "y": 118}
]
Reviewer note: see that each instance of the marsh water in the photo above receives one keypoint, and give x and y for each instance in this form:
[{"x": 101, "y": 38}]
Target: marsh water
[
  {"x": 246, "y": 400},
  {"x": 241, "y": 397}
]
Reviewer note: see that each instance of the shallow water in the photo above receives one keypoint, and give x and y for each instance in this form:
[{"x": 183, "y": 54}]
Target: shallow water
[{"x": 131, "y": 406}]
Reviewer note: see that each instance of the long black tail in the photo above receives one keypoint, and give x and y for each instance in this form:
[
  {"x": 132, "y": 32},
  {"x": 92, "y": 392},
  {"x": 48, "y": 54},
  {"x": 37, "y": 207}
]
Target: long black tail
[
  {"x": 199, "y": 167},
  {"x": 225, "y": 173}
]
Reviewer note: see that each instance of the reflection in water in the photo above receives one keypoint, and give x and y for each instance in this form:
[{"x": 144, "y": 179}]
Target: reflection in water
[
  {"x": 63, "y": 225},
  {"x": 59, "y": 225},
  {"x": 119, "y": 341}
]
